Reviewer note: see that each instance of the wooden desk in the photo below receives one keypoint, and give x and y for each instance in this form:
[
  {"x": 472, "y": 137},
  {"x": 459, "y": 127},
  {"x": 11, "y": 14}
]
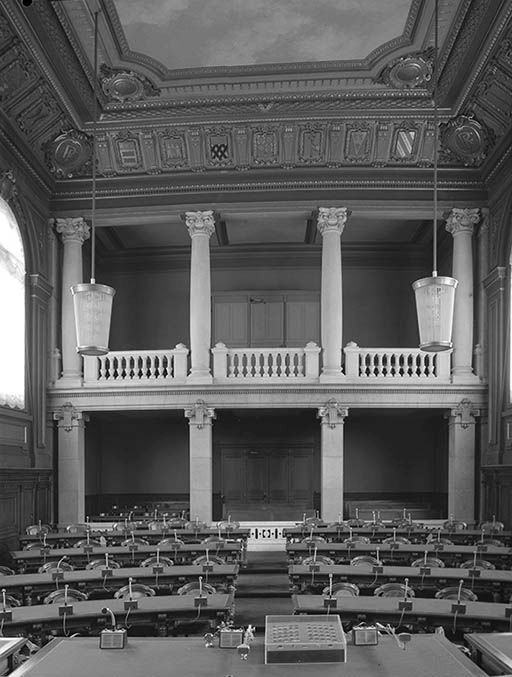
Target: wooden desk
[
  {"x": 162, "y": 613},
  {"x": 416, "y": 534},
  {"x": 426, "y": 655},
  {"x": 31, "y": 560},
  {"x": 425, "y": 613},
  {"x": 393, "y": 554},
  {"x": 32, "y": 586},
  {"x": 65, "y": 539},
  {"x": 494, "y": 581},
  {"x": 492, "y": 651}
]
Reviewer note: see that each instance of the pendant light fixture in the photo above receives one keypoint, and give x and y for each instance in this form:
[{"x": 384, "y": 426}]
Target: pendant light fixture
[
  {"x": 93, "y": 302},
  {"x": 435, "y": 295}
]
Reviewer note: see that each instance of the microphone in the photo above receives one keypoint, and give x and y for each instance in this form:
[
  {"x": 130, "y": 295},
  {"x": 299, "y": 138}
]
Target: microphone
[
  {"x": 62, "y": 559},
  {"x": 106, "y": 611}
]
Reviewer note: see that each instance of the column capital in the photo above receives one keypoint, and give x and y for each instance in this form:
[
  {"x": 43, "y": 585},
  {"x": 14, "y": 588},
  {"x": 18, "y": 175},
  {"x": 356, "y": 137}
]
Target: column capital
[
  {"x": 332, "y": 413},
  {"x": 332, "y": 219},
  {"x": 68, "y": 417},
  {"x": 460, "y": 220},
  {"x": 200, "y": 223},
  {"x": 73, "y": 229},
  {"x": 464, "y": 413},
  {"x": 199, "y": 414}
]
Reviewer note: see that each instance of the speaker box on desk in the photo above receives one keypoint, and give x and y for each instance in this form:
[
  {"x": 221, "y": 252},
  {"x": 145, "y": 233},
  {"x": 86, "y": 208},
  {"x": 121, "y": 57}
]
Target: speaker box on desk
[{"x": 305, "y": 639}]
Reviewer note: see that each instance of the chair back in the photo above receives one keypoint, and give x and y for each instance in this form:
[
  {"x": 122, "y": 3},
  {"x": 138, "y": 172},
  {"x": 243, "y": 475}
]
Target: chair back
[
  {"x": 152, "y": 561},
  {"x": 138, "y": 591},
  {"x": 428, "y": 562},
  {"x": 135, "y": 541},
  {"x": 364, "y": 561},
  {"x": 320, "y": 559},
  {"x": 357, "y": 539},
  {"x": 51, "y": 567},
  {"x": 452, "y": 592},
  {"x": 393, "y": 590},
  {"x": 342, "y": 590},
  {"x": 481, "y": 564},
  {"x": 6, "y": 571},
  {"x": 60, "y": 595},
  {"x": 100, "y": 564},
  {"x": 193, "y": 588},
  {"x": 213, "y": 559},
  {"x": 397, "y": 539}
]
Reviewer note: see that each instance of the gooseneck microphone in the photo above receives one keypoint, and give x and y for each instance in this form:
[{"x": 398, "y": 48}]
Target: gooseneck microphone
[{"x": 106, "y": 610}]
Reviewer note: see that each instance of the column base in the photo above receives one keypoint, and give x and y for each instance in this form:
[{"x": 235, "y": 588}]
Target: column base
[
  {"x": 331, "y": 376},
  {"x": 464, "y": 375},
  {"x": 66, "y": 382},
  {"x": 200, "y": 378}
]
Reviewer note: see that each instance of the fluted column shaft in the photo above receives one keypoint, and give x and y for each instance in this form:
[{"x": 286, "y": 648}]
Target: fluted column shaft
[
  {"x": 331, "y": 221},
  {"x": 461, "y": 461},
  {"x": 332, "y": 418},
  {"x": 200, "y": 227},
  {"x": 201, "y": 460},
  {"x": 71, "y": 464},
  {"x": 74, "y": 232},
  {"x": 460, "y": 224}
]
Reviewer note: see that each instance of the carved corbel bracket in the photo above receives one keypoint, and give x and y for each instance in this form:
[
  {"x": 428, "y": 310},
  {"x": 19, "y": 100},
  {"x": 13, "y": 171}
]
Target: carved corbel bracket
[
  {"x": 199, "y": 414},
  {"x": 332, "y": 413},
  {"x": 69, "y": 417},
  {"x": 465, "y": 413}
]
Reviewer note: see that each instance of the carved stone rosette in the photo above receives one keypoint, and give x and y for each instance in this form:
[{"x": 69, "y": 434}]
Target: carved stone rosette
[
  {"x": 411, "y": 71},
  {"x": 121, "y": 85},
  {"x": 69, "y": 154},
  {"x": 200, "y": 223},
  {"x": 73, "y": 228}
]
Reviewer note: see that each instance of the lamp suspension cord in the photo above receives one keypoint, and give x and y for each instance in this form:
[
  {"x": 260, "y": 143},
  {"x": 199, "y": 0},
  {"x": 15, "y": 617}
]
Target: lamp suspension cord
[
  {"x": 436, "y": 140},
  {"x": 93, "y": 154}
]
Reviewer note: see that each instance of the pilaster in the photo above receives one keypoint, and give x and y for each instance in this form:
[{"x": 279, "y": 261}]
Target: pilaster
[
  {"x": 71, "y": 464},
  {"x": 332, "y": 419},
  {"x": 200, "y": 418},
  {"x": 461, "y": 461}
]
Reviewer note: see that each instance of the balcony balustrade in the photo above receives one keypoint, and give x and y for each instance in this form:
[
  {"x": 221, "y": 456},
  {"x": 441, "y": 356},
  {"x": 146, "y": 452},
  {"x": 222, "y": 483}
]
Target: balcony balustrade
[{"x": 278, "y": 365}]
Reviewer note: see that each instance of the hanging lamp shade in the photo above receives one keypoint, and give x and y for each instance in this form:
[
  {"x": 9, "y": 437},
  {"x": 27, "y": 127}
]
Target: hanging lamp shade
[
  {"x": 93, "y": 308},
  {"x": 435, "y": 298}
]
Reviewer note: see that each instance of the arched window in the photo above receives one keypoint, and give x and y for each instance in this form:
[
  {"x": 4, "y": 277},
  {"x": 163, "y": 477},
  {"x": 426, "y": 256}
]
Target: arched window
[{"x": 12, "y": 311}]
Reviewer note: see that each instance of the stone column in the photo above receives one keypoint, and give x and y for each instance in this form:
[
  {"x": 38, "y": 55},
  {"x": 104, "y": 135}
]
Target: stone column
[
  {"x": 71, "y": 464},
  {"x": 461, "y": 461},
  {"x": 201, "y": 458},
  {"x": 200, "y": 227},
  {"x": 74, "y": 232},
  {"x": 460, "y": 223},
  {"x": 332, "y": 417},
  {"x": 331, "y": 221}
]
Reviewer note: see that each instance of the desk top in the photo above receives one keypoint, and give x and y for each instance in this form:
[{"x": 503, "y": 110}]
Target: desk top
[
  {"x": 39, "y": 613},
  {"x": 496, "y": 645},
  {"x": 56, "y": 536},
  {"x": 425, "y": 655},
  {"x": 137, "y": 573},
  {"x": 113, "y": 550},
  {"x": 413, "y": 549}
]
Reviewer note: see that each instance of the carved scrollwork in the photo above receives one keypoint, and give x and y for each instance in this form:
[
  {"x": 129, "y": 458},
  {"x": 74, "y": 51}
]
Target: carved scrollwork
[
  {"x": 466, "y": 139},
  {"x": 69, "y": 154},
  {"x": 199, "y": 414},
  {"x": 332, "y": 413},
  {"x": 408, "y": 72},
  {"x": 120, "y": 85},
  {"x": 8, "y": 185}
]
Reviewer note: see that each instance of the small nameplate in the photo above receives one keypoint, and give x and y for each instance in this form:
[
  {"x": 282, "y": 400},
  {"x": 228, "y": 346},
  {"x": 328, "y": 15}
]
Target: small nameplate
[
  {"x": 130, "y": 604},
  {"x": 377, "y": 569},
  {"x": 458, "y": 608},
  {"x": 106, "y": 572},
  {"x": 176, "y": 545},
  {"x": 314, "y": 567},
  {"x": 474, "y": 573},
  {"x": 207, "y": 568},
  {"x": 425, "y": 571},
  {"x": 405, "y": 605},
  {"x": 133, "y": 547},
  {"x": 438, "y": 546},
  {"x": 394, "y": 546},
  {"x": 44, "y": 550},
  {"x": 330, "y": 603},
  {"x": 481, "y": 548},
  {"x": 57, "y": 575},
  {"x": 508, "y": 612},
  {"x": 65, "y": 609},
  {"x": 6, "y": 615},
  {"x": 158, "y": 569},
  {"x": 200, "y": 601},
  {"x": 88, "y": 548}
]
